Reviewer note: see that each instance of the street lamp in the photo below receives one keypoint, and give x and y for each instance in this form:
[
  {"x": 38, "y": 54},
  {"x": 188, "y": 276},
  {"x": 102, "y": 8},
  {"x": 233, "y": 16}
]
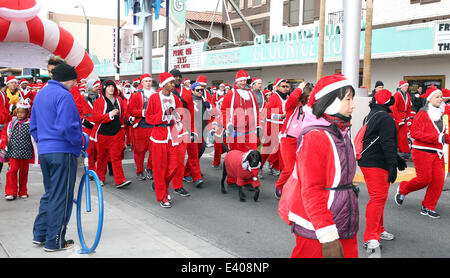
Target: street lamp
[{"x": 87, "y": 26}]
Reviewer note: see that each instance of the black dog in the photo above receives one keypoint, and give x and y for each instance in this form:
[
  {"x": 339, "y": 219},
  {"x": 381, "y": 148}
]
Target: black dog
[{"x": 234, "y": 164}]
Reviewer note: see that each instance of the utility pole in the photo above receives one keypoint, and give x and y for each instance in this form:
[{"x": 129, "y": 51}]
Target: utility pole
[
  {"x": 148, "y": 40},
  {"x": 118, "y": 42},
  {"x": 166, "y": 56},
  {"x": 367, "y": 73},
  {"x": 351, "y": 42},
  {"x": 320, "y": 55}
]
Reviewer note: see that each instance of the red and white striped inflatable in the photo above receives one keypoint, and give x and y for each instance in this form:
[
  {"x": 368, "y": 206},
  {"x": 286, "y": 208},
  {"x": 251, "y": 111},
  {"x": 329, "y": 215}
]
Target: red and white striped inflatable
[{"x": 19, "y": 23}]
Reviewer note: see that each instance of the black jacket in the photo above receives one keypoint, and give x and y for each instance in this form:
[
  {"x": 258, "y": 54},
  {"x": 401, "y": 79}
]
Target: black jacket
[{"x": 383, "y": 153}]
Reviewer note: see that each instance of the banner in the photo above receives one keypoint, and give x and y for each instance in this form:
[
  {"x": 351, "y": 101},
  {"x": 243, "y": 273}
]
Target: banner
[{"x": 177, "y": 15}]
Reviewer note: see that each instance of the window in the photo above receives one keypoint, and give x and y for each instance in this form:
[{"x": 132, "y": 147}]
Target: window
[
  {"x": 162, "y": 37},
  {"x": 237, "y": 34},
  {"x": 294, "y": 12},
  {"x": 154, "y": 39},
  {"x": 256, "y": 3},
  {"x": 424, "y": 1},
  {"x": 308, "y": 11},
  {"x": 258, "y": 29}
]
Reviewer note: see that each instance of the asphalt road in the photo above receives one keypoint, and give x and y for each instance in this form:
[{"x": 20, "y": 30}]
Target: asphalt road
[{"x": 254, "y": 229}]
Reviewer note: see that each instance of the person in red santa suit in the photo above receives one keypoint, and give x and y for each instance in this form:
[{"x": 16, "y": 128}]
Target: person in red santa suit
[
  {"x": 162, "y": 113},
  {"x": 430, "y": 136},
  {"x": 135, "y": 84},
  {"x": 240, "y": 117},
  {"x": 379, "y": 163},
  {"x": 127, "y": 92},
  {"x": 108, "y": 116},
  {"x": 276, "y": 114},
  {"x": 142, "y": 129},
  {"x": 325, "y": 215},
  {"x": 295, "y": 106},
  {"x": 217, "y": 127},
  {"x": 188, "y": 121},
  {"x": 25, "y": 92},
  {"x": 402, "y": 116},
  {"x": 92, "y": 94}
]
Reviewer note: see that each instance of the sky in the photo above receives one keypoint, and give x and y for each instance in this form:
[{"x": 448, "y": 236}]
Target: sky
[{"x": 108, "y": 8}]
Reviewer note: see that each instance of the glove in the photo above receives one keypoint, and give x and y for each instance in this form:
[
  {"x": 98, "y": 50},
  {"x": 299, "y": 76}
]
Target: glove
[
  {"x": 207, "y": 104},
  {"x": 392, "y": 175},
  {"x": 409, "y": 123},
  {"x": 401, "y": 123},
  {"x": 401, "y": 163}
]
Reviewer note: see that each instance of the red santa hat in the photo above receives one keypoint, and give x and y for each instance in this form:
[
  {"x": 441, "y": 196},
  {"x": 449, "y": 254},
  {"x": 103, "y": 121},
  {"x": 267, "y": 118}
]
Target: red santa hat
[
  {"x": 136, "y": 80},
  {"x": 326, "y": 85},
  {"x": 446, "y": 93},
  {"x": 255, "y": 79},
  {"x": 96, "y": 84},
  {"x": 241, "y": 75},
  {"x": 402, "y": 83},
  {"x": 126, "y": 84},
  {"x": 39, "y": 81},
  {"x": 10, "y": 79},
  {"x": 202, "y": 80},
  {"x": 432, "y": 90},
  {"x": 278, "y": 82},
  {"x": 144, "y": 77},
  {"x": 383, "y": 96},
  {"x": 227, "y": 86},
  {"x": 24, "y": 81},
  {"x": 185, "y": 81},
  {"x": 165, "y": 78}
]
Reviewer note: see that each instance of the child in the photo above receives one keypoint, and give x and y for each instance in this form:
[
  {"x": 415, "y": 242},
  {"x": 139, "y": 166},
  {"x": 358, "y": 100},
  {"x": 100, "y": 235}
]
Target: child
[{"x": 19, "y": 149}]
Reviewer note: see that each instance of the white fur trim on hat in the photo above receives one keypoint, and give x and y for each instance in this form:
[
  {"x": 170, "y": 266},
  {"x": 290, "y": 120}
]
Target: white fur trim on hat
[
  {"x": 404, "y": 84},
  {"x": 333, "y": 86},
  {"x": 171, "y": 78},
  {"x": 12, "y": 80},
  {"x": 432, "y": 93},
  {"x": 257, "y": 80}
]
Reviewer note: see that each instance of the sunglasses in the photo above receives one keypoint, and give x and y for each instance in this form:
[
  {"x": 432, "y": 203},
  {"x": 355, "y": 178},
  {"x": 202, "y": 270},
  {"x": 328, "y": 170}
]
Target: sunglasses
[
  {"x": 198, "y": 90},
  {"x": 285, "y": 86}
]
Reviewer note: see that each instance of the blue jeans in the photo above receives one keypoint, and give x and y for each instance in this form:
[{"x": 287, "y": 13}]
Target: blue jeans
[{"x": 59, "y": 171}]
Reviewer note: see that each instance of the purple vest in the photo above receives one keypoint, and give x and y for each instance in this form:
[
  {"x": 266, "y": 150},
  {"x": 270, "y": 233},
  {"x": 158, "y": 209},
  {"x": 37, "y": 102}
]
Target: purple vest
[{"x": 345, "y": 204}]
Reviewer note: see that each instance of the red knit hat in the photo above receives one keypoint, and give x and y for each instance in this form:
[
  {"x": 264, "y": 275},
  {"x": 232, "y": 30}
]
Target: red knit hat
[
  {"x": 241, "y": 75},
  {"x": 255, "y": 79},
  {"x": 402, "y": 83},
  {"x": 383, "y": 96},
  {"x": 202, "y": 80},
  {"x": 165, "y": 78},
  {"x": 10, "y": 79},
  {"x": 278, "y": 81},
  {"x": 326, "y": 85},
  {"x": 136, "y": 80},
  {"x": 145, "y": 76},
  {"x": 432, "y": 90}
]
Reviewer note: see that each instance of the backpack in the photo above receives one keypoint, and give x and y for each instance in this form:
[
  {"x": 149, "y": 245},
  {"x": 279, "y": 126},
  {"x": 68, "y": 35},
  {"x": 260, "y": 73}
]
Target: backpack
[{"x": 359, "y": 138}]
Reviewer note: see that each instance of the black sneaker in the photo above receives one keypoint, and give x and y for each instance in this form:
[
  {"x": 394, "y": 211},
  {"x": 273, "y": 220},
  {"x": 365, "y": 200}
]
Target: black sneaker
[
  {"x": 182, "y": 192},
  {"x": 140, "y": 176},
  {"x": 430, "y": 213},
  {"x": 165, "y": 203},
  {"x": 149, "y": 174},
  {"x": 67, "y": 245},
  {"x": 199, "y": 183},
  {"x": 399, "y": 197},
  {"x": 123, "y": 184},
  {"x": 278, "y": 193}
]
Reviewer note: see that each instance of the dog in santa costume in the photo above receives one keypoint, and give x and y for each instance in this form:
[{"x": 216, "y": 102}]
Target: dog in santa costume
[
  {"x": 324, "y": 215},
  {"x": 242, "y": 166},
  {"x": 430, "y": 136}
]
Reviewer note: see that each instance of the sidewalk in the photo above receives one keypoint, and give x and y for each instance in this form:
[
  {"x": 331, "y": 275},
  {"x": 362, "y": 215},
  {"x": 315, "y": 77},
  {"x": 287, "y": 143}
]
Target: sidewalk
[{"x": 128, "y": 230}]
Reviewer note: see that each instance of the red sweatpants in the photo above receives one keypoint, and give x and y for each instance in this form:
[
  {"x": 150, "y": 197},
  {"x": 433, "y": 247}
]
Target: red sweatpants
[
  {"x": 312, "y": 248},
  {"x": 21, "y": 166},
  {"x": 402, "y": 135},
  {"x": 378, "y": 188},
  {"x": 129, "y": 135},
  {"x": 288, "y": 148},
  {"x": 165, "y": 163},
  {"x": 142, "y": 144},
  {"x": 91, "y": 151},
  {"x": 430, "y": 172},
  {"x": 112, "y": 146},
  {"x": 192, "y": 167},
  {"x": 177, "y": 181}
]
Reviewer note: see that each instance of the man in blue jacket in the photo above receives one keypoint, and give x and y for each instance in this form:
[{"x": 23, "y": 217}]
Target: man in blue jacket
[{"x": 56, "y": 127}]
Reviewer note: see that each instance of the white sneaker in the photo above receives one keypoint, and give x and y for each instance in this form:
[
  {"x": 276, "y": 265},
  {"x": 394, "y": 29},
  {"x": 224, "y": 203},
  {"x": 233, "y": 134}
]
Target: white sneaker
[
  {"x": 9, "y": 197},
  {"x": 373, "y": 249},
  {"x": 386, "y": 236}
]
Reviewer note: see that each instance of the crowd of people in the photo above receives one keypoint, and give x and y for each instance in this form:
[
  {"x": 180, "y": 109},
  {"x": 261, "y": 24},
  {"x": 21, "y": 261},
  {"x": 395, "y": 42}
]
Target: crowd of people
[{"x": 302, "y": 134}]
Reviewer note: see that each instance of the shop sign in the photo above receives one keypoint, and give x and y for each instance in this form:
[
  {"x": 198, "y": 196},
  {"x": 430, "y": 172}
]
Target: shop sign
[
  {"x": 442, "y": 37},
  {"x": 186, "y": 56}
]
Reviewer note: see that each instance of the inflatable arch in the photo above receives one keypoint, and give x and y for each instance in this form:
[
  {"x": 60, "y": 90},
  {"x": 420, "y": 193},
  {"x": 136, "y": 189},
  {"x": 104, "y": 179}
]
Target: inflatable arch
[{"x": 20, "y": 23}]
